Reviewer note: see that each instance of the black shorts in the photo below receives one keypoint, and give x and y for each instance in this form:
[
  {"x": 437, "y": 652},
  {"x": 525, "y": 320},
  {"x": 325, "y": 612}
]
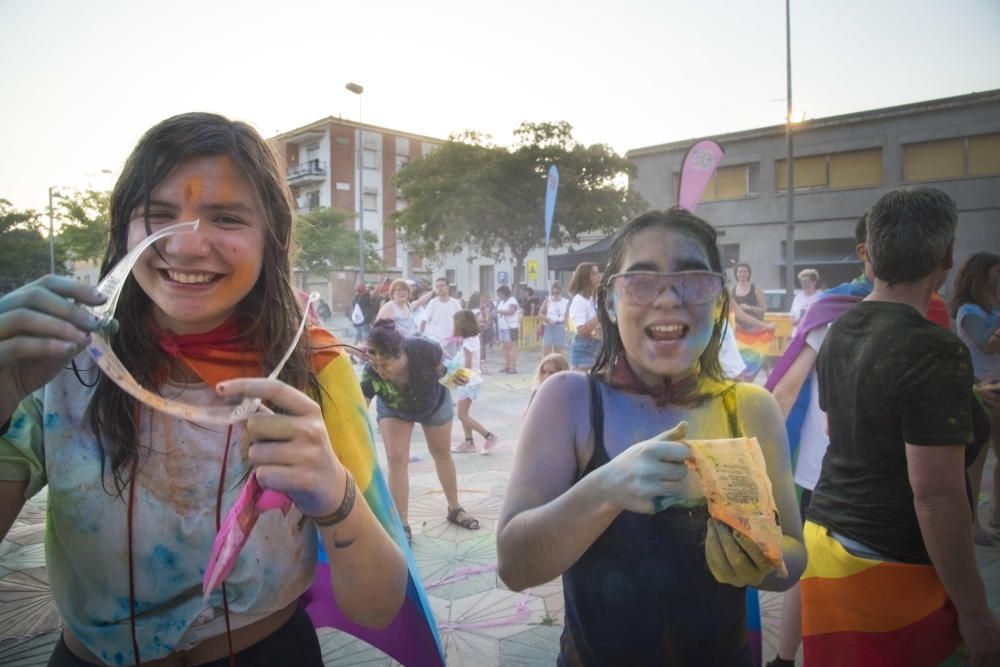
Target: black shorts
[{"x": 294, "y": 643}]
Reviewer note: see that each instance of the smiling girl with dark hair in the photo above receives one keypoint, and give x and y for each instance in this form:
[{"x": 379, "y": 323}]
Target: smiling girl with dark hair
[{"x": 603, "y": 496}]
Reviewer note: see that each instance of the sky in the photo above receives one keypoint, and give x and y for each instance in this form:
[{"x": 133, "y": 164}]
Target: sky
[{"x": 81, "y": 81}]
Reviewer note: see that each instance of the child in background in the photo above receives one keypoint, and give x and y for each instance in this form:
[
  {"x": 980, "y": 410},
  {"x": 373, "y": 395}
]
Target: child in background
[
  {"x": 467, "y": 329},
  {"x": 547, "y": 367}
]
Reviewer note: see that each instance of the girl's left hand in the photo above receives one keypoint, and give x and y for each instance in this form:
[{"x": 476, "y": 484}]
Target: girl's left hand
[
  {"x": 291, "y": 452},
  {"x": 734, "y": 558}
]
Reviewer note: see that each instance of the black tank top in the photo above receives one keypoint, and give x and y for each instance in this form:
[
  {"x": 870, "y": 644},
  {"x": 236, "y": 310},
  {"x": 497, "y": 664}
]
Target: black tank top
[
  {"x": 642, "y": 593},
  {"x": 748, "y": 299}
]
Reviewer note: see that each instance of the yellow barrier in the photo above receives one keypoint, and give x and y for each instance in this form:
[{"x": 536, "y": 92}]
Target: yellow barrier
[
  {"x": 528, "y": 335},
  {"x": 783, "y": 329}
]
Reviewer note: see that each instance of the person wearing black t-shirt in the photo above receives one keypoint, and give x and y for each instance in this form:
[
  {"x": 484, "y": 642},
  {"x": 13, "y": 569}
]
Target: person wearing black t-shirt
[
  {"x": 403, "y": 375},
  {"x": 892, "y": 576}
]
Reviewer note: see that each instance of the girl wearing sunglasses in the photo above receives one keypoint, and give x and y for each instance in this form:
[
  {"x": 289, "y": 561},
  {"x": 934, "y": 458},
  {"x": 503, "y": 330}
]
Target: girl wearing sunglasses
[
  {"x": 135, "y": 495},
  {"x": 603, "y": 497}
]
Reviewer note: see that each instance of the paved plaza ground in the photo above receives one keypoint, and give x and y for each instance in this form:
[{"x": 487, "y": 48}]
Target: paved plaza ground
[{"x": 482, "y": 623}]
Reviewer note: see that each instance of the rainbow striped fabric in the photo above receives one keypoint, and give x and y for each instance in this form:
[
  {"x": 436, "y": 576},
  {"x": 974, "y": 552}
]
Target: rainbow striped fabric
[
  {"x": 412, "y": 637},
  {"x": 857, "y": 611},
  {"x": 753, "y": 347}
]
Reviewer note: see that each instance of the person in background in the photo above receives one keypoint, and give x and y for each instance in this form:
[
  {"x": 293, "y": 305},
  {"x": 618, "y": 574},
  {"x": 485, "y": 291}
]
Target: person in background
[
  {"x": 889, "y": 524},
  {"x": 975, "y": 307},
  {"x": 467, "y": 330},
  {"x": 362, "y": 301},
  {"x": 583, "y": 313},
  {"x": 508, "y": 325},
  {"x": 603, "y": 496},
  {"x": 135, "y": 494},
  {"x": 809, "y": 279},
  {"x": 400, "y": 309},
  {"x": 440, "y": 321},
  {"x": 403, "y": 376},
  {"x": 793, "y": 384},
  {"x": 553, "y": 312},
  {"x": 549, "y": 365},
  {"x": 751, "y": 304}
]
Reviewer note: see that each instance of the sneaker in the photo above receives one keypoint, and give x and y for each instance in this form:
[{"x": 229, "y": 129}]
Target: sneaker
[
  {"x": 490, "y": 444},
  {"x": 467, "y": 447}
]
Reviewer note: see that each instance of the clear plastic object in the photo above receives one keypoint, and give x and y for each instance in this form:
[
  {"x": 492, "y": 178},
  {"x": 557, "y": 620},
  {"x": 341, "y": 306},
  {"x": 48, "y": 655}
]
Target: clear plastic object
[{"x": 102, "y": 354}]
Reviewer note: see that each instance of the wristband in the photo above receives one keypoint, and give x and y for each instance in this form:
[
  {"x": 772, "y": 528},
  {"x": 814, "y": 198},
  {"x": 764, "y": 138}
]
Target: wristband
[{"x": 346, "y": 505}]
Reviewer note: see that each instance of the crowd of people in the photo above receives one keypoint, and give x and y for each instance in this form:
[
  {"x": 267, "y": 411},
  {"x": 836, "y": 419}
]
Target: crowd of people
[{"x": 876, "y": 413}]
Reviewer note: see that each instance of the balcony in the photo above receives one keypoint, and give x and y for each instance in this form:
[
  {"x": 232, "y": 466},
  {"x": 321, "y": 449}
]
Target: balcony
[{"x": 313, "y": 171}]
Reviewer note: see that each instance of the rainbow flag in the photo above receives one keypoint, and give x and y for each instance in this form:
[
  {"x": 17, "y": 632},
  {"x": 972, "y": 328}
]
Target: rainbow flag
[
  {"x": 857, "y": 611},
  {"x": 753, "y": 347},
  {"x": 412, "y": 637}
]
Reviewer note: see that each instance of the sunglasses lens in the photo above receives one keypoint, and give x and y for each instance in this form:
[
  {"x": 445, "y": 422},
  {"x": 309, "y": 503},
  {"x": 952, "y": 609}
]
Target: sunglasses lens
[{"x": 641, "y": 289}]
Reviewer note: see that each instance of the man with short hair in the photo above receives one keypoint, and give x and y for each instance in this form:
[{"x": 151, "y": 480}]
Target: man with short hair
[
  {"x": 892, "y": 578},
  {"x": 440, "y": 320}
]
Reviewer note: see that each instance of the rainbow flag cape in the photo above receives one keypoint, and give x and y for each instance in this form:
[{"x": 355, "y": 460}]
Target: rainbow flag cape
[
  {"x": 412, "y": 637},
  {"x": 857, "y": 611},
  {"x": 831, "y": 305},
  {"x": 753, "y": 346}
]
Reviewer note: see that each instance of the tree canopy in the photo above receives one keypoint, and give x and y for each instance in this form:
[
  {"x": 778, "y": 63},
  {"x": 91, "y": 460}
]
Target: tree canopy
[
  {"x": 325, "y": 243},
  {"x": 472, "y": 193},
  {"x": 24, "y": 249},
  {"x": 85, "y": 218}
]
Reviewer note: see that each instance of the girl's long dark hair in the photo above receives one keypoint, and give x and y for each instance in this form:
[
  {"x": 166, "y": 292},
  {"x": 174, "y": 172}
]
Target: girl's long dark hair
[
  {"x": 675, "y": 219},
  {"x": 268, "y": 316},
  {"x": 971, "y": 281}
]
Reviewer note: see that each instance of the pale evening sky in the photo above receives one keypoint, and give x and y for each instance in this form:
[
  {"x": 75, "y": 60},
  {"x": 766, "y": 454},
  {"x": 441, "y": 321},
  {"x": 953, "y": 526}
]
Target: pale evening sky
[{"x": 81, "y": 81}]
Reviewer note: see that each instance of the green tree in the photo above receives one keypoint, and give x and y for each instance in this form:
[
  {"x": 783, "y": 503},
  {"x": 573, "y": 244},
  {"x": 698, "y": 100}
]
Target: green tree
[
  {"x": 471, "y": 192},
  {"x": 325, "y": 243},
  {"x": 24, "y": 249},
  {"x": 84, "y": 231}
]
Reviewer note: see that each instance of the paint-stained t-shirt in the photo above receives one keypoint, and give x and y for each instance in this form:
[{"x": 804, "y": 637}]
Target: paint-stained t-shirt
[
  {"x": 887, "y": 377},
  {"x": 50, "y": 444}
]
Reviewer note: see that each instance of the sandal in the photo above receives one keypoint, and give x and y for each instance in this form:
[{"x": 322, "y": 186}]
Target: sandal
[{"x": 468, "y": 522}]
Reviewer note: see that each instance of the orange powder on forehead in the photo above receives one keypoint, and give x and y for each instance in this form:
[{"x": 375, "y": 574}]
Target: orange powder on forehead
[{"x": 192, "y": 189}]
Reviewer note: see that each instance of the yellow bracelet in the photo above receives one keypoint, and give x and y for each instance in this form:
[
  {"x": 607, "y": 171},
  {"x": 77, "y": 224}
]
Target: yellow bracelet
[{"x": 346, "y": 505}]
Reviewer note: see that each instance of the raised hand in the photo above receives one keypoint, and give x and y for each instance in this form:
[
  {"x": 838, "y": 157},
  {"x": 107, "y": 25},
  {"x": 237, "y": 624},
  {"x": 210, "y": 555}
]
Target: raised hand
[
  {"x": 651, "y": 475},
  {"x": 42, "y": 327},
  {"x": 290, "y": 451}
]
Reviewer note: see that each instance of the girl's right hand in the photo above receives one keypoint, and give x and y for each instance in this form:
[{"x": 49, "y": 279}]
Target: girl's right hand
[
  {"x": 651, "y": 475},
  {"x": 42, "y": 327}
]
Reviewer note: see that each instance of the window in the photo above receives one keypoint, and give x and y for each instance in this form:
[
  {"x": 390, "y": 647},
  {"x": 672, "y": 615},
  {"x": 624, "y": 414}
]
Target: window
[
  {"x": 849, "y": 169},
  {"x": 984, "y": 155},
  {"x": 952, "y": 158},
  {"x": 370, "y": 158},
  {"x": 312, "y": 200},
  {"x": 449, "y": 275},
  {"x": 401, "y": 161},
  {"x": 371, "y": 201},
  {"x": 736, "y": 182}
]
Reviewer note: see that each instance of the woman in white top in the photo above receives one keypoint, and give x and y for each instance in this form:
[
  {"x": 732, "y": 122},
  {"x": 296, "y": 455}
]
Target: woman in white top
[
  {"x": 582, "y": 312},
  {"x": 809, "y": 279},
  {"x": 400, "y": 310},
  {"x": 508, "y": 326},
  {"x": 554, "y": 312}
]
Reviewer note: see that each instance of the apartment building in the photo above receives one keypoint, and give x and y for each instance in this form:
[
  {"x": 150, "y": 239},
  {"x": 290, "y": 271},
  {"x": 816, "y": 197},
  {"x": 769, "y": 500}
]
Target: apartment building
[
  {"x": 324, "y": 170},
  {"x": 842, "y": 165}
]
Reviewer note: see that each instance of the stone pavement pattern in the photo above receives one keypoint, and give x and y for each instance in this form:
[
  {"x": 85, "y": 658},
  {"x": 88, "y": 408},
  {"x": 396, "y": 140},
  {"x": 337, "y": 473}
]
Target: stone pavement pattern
[{"x": 482, "y": 623}]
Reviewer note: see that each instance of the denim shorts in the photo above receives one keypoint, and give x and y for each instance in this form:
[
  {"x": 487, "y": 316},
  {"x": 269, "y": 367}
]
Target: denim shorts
[
  {"x": 583, "y": 351},
  {"x": 441, "y": 414}
]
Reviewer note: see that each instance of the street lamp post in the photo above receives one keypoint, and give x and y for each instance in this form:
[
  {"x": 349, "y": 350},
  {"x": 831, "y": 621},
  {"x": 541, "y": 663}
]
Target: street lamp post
[
  {"x": 357, "y": 90},
  {"x": 52, "y": 241},
  {"x": 789, "y": 164}
]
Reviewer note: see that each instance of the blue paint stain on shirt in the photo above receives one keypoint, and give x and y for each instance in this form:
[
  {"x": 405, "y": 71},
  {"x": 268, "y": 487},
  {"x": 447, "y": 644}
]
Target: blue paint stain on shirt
[
  {"x": 119, "y": 659},
  {"x": 163, "y": 557},
  {"x": 52, "y": 420}
]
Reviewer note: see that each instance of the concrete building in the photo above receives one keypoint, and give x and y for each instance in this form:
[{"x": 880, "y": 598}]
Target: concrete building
[{"x": 843, "y": 164}]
